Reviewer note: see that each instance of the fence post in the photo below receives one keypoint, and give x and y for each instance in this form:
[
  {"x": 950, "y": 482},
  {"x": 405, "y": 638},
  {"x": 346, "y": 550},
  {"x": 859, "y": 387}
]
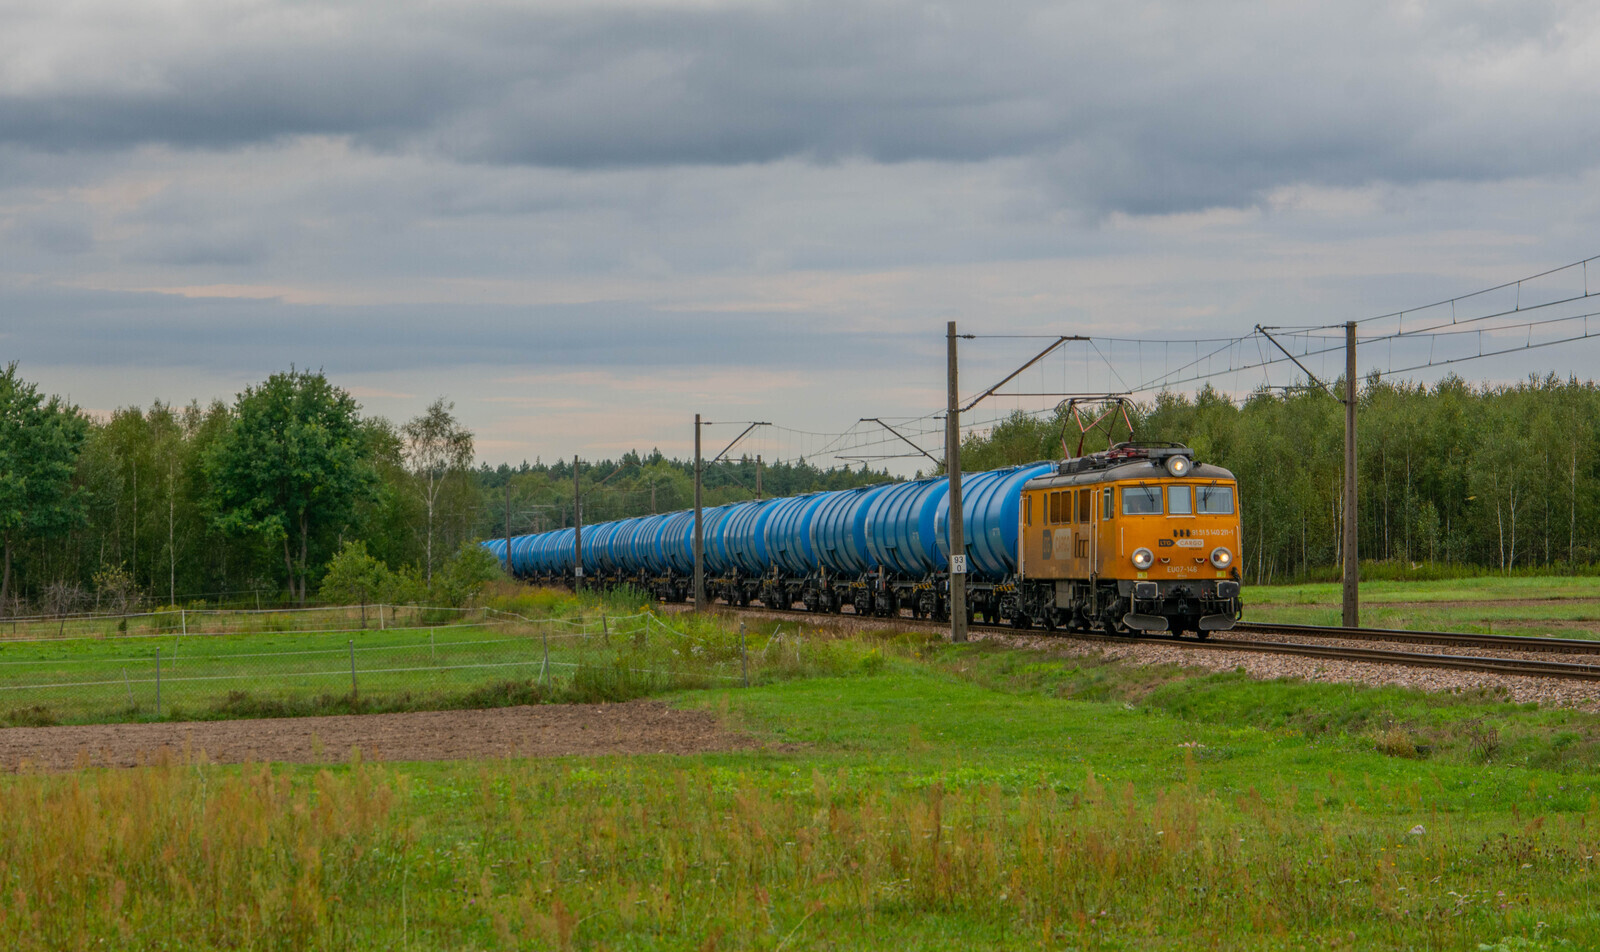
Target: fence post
[
  {"x": 380, "y": 616},
  {"x": 605, "y": 629},
  {"x": 744, "y": 657},
  {"x": 183, "y": 619},
  {"x": 544, "y": 670},
  {"x": 353, "y": 694},
  {"x": 158, "y": 682}
]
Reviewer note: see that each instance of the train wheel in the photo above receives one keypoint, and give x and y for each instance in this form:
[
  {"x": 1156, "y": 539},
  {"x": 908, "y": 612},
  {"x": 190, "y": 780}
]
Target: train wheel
[{"x": 1049, "y": 619}]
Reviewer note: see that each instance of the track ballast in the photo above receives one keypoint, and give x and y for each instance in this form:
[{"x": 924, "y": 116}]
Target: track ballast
[{"x": 1530, "y": 667}]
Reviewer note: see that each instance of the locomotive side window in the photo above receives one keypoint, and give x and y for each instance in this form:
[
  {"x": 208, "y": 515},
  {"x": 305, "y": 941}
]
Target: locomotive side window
[
  {"x": 1027, "y": 510},
  {"x": 1055, "y": 508},
  {"x": 1178, "y": 501},
  {"x": 1083, "y": 505},
  {"x": 1109, "y": 496},
  {"x": 1215, "y": 500},
  {"x": 1141, "y": 501}
]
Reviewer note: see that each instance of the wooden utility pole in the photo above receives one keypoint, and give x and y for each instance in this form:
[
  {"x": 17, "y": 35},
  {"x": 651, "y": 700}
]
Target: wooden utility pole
[
  {"x": 508, "y": 526},
  {"x": 1352, "y": 559},
  {"x": 758, "y": 476},
  {"x": 699, "y": 536},
  {"x": 952, "y": 456},
  {"x": 577, "y": 534}
]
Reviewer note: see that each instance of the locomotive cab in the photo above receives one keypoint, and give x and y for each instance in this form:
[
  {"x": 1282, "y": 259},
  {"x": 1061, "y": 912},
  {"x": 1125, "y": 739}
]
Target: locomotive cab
[{"x": 1140, "y": 537}]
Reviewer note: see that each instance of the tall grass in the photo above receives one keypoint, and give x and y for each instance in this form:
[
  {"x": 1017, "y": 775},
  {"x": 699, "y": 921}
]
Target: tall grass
[
  {"x": 184, "y": 856},
  {"x": 528, "y": 855}
]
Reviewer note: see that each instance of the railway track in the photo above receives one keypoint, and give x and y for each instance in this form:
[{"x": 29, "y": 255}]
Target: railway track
[
  {"x": 1530, "y": 667},
  {"x": 1447, "y": 638}
]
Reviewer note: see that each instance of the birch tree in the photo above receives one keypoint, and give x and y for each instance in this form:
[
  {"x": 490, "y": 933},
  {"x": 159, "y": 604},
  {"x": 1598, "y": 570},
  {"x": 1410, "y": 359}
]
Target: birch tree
[{"x": 437, "y": 448}]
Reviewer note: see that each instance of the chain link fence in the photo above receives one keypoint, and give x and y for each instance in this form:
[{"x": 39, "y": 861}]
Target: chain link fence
[{"x": 204, "y": 664}]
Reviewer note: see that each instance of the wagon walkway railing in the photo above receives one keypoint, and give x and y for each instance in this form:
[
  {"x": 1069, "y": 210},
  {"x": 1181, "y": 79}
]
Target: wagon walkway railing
[{"x": 204, "y": 664}]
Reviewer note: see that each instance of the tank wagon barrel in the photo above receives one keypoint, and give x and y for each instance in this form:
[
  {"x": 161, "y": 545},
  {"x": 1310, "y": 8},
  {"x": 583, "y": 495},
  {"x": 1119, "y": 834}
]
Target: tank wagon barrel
[{"x": 885, "y": 548}]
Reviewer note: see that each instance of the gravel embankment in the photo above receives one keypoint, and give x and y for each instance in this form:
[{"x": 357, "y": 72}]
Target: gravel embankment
[{"x": 1582, "y": 695}]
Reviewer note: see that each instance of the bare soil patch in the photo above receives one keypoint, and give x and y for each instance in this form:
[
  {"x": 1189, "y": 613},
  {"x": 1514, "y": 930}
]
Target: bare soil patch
[{"x": 550, "y": 730}]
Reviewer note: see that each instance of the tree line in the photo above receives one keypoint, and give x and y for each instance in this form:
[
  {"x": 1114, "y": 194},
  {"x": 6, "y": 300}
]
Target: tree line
[
  {"x": 290, "y": 492},
  {"x": 1501, "y": 477},
  {"x": 254, "y": 499},
  {"x": 539, "y": 496}
]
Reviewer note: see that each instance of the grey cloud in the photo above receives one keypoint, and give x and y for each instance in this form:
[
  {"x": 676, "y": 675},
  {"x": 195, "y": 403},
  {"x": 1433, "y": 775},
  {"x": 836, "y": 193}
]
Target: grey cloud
[
  {"x": 120, "y": 329},
  {"x": 1133, "y": 107},
  {"x": 203, "y": 250},
  {"x": 63, "y": 234}
]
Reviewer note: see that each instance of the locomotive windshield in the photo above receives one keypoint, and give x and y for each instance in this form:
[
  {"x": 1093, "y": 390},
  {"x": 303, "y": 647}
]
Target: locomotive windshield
[
  {"x": 1178, "y": 501},
  {"x": 1141, "y": 501},
  {"x": 1215, "y": 500}
]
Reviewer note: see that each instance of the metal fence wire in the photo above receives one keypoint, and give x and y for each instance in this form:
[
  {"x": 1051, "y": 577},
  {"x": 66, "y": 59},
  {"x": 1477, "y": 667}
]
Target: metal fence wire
[{"x": 188, "y": 663}]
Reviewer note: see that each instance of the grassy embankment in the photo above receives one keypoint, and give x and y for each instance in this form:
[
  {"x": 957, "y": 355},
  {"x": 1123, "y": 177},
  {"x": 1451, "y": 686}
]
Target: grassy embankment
[
  {"x": 932, "y": 797},
  {"x": 288, "y": 663},
  {"x": 1552, "y": 606}
]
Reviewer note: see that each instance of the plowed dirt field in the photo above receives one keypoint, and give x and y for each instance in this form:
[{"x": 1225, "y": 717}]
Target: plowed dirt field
[{"x": 637, "y": 727}]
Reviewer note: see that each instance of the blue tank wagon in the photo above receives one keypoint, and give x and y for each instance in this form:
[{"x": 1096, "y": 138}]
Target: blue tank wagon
[{"x": 879, "y": 549}]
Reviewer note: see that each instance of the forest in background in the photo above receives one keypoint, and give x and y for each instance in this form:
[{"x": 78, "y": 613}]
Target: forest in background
[
  {"x": 253, "y": 500},
  {"x": 1496, "y": 477}
]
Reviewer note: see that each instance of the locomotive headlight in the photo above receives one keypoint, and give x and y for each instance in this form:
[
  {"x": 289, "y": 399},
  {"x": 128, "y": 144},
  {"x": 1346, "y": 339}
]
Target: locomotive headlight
[
  {"x": 1178, "y": 465},
  {"x": 1143, "y": 558},
  {"x": 1221, "y": 557}
]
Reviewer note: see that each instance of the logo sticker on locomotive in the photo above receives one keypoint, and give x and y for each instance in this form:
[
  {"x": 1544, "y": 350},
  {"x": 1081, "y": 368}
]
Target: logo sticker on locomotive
[{"x": 1190, "y": 543}]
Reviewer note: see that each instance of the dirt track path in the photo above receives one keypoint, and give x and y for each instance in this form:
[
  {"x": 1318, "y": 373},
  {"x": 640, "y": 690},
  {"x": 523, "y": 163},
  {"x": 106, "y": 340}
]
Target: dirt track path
[{"x": 637, "y": 727}]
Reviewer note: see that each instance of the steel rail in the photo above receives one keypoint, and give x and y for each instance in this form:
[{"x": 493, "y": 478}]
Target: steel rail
[
  {"x": 1456, "y": 638},
  {"x": 1523, "y": 666}
]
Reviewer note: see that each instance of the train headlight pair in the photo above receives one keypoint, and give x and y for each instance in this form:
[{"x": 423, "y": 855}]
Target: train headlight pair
[
  {"x": 1221, "y": 557},
  {"x": 1143, "y": 558}
]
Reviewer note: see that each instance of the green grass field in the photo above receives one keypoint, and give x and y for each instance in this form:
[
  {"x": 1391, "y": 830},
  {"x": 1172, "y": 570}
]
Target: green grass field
[
  {"x": 921, "y": 796},
  {"x": 1563, "y": 607},
  {"x": 334, "y": 661},
  {"x": 913, "y": 794}
]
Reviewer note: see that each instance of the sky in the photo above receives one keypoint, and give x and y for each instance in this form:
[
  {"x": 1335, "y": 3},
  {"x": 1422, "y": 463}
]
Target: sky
[{"x": 584, "y": 221}]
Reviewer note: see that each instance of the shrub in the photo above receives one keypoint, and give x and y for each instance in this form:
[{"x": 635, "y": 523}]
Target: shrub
[
  {"x": 464, "y": 575},
  {"x": 354, "y": 577}
]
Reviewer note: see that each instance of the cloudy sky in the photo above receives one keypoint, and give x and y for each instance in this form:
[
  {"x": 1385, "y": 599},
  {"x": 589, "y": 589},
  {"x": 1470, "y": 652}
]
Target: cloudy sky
[{"x": 585, "y": 220}]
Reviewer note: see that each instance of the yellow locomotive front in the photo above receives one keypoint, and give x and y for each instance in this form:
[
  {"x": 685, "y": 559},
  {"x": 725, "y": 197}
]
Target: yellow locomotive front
[{"x": 1140, "y": 537}]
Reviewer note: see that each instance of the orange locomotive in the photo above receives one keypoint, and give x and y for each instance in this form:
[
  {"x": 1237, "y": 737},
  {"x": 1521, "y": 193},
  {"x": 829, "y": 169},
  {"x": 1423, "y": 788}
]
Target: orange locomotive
[{"x": 1137, "y": 538}]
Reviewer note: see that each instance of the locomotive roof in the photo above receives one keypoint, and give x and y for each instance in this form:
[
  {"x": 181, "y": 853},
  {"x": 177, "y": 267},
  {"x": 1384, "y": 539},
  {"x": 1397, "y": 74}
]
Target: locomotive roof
[{"x": 1124, "y": 462}]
